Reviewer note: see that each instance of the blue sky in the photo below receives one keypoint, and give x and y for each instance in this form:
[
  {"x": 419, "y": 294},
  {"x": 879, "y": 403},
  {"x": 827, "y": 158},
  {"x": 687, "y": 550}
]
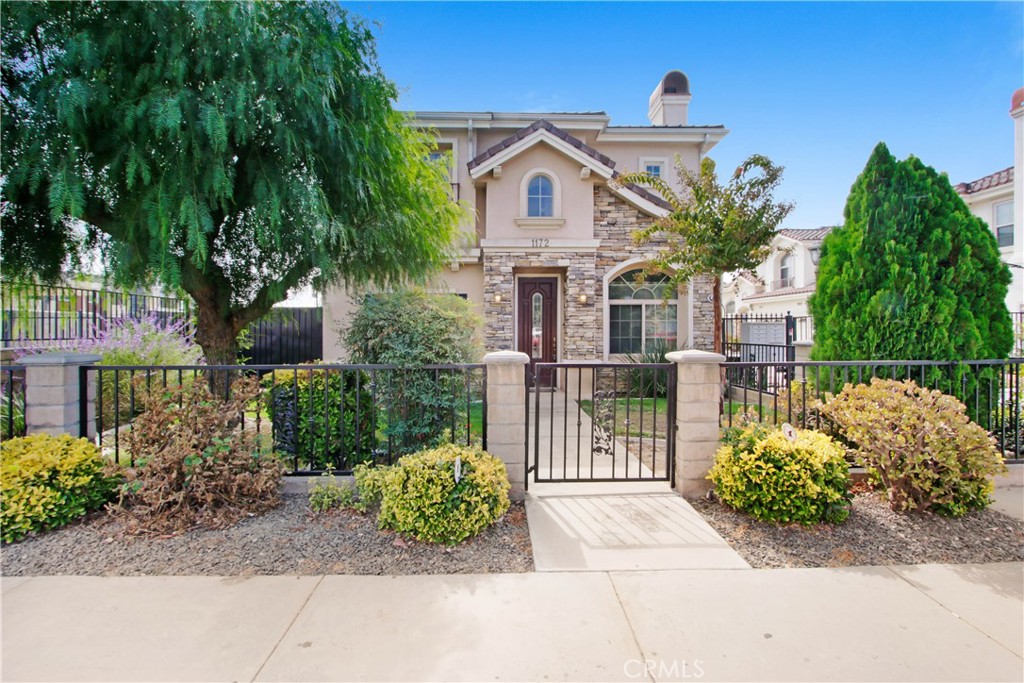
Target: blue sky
[{"x": 812, "y": 85}]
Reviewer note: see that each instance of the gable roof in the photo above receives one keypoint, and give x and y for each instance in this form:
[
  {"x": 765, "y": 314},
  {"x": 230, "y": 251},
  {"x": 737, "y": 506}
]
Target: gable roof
[
  {"x": 806, "y": 234},
  {"x": 990, "y": 181},
  {"x": 540, "y": 124},
  {"x": 568, "y": 143}
]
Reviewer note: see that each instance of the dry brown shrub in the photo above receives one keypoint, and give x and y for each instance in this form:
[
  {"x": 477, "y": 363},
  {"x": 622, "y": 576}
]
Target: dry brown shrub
[{"x": 194, "y": 463}]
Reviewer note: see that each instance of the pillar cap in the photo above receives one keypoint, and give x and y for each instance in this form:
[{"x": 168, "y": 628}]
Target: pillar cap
[
  {"x": 694, "y": 356},
  {"x": 805, "y": 342},
  {"x": 59, "y": 358},
  {"x": 510, "y": 357}
]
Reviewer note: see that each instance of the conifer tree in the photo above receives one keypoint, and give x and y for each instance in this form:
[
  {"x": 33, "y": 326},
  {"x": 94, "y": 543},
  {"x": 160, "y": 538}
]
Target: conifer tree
[
  {"x": 911, "y": 274},
  {"x": 234, "y": 150}
]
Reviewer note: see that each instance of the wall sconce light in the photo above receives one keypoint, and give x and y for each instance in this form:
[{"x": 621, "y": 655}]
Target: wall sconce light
[
  {"x": 582, "y": 298},
  {"x": 497, "y": 298}
]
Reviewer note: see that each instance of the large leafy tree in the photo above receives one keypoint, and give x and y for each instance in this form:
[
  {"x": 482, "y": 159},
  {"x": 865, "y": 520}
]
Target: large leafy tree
[
  {"x": 911, "y": 274},
  {"x": 232, "y": 150},
  {"x": 713, "y": 228}
]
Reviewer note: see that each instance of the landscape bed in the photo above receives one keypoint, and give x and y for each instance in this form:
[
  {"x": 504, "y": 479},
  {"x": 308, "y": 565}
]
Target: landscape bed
[
  {"x": 287, "y": 540},
  {"x": 872, "y": 535}
]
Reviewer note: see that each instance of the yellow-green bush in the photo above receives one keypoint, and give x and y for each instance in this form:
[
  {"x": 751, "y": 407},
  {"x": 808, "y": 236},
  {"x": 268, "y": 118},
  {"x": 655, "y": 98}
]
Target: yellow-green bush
[
  {"x": 421, "y": 497},
  {"x": 763, "y": 473},
  {"x": 47, "y": 481},
  {"x": 919, "y": 444}
]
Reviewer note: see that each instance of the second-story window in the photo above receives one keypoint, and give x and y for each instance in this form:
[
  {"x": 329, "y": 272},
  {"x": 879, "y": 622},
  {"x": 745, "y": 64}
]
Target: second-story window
[
  {"x": 540, "y": 197},
  {"x": 1004, "y": 224},
  {"x": 786, "y": 271}
]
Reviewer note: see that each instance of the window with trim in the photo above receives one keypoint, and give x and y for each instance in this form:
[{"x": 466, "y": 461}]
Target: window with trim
[
  {"x": 1004, "y": 224},
  {"x": 654, "y": 167},
  {"x": 540, "y": 197},
  {"x": 786, "y": 271},
  {"x": 638, "y": 314}
]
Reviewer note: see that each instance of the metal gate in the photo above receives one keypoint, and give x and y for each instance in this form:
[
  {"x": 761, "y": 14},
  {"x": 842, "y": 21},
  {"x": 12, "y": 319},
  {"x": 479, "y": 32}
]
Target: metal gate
[{"x": 601, "y": 422}]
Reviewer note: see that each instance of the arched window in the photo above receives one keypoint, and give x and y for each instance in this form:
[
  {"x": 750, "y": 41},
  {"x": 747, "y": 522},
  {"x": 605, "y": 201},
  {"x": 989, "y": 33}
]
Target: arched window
[
  {"x": 540, "y": 197},
  {"x": 786, "y": 272},
  {"x": 640, "y": 319}
]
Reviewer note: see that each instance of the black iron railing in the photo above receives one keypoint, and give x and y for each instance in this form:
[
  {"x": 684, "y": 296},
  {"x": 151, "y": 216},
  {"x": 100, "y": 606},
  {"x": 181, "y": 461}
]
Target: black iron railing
[
  {"x": 39, "y": 313},
  {"x": 793, "y": 391},
  {"x": 316, "y": 417},
  {"x": 600, "y": 422}
]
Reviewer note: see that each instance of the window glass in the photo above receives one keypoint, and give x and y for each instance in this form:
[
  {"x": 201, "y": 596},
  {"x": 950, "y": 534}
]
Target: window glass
[
  {"x": 638, "y": 314},
  {"x": 1004, "y": 224},
  {"x": 1004, "y": 213},
  {"x": 625, "y": 329},
  {"x": 540, "y": 197},
  {"x": 653, "y": 169}
]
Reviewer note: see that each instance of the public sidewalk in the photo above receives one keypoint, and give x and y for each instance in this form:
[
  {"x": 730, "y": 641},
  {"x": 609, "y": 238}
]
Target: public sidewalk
[{"x": 921, "y": 623}]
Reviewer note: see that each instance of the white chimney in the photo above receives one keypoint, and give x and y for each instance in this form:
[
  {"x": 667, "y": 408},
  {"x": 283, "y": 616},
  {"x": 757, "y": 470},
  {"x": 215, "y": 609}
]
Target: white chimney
[{"x": 670, "y": 100}]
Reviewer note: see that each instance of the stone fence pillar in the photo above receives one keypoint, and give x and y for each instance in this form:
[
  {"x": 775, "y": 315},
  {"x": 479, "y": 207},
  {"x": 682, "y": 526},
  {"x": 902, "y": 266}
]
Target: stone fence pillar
[
  {"x": 52, "y": 400},
  {"x": 698, "y": 393},
  {"x": 506, "y": 414}
]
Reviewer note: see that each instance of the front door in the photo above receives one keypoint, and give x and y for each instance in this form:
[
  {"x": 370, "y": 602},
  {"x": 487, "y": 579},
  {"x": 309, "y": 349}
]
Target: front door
[{"x": 537, "y": 323}]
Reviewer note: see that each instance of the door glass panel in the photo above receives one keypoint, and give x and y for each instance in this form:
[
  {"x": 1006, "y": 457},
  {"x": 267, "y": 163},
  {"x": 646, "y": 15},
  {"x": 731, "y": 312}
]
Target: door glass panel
[{"x": 537, "y": 322}]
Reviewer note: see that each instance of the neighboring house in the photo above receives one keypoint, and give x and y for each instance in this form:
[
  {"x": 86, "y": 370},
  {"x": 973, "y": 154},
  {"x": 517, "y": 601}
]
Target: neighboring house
[
  {"x": 783, "y": 282},
  {"x": 998, "y": 199},
  {"x": 551, "y": 259}
]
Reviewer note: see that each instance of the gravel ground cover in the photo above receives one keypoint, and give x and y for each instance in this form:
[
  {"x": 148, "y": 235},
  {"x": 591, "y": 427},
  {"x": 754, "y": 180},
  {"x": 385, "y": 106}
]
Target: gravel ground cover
[
  {"x": 872, "y": 535},
  {"x": 287, "y": 540}
]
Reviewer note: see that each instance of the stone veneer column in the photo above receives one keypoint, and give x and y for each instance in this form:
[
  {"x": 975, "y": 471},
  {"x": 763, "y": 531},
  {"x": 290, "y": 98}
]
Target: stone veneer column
[
  {"x": 506, "y": 414},
  {"x": 52, "y": 393},
  {"x": 498, "y": 280},
  {"x": 703, "y": 313},
  {"x": 698, "y": 391}
]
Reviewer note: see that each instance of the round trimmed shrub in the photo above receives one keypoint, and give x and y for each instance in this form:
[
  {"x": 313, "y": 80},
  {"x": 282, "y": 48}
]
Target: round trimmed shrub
[
  {"x": 770, "y": 477},
  {"x": 421, "y": 497},
  {"x": 47, "y": 481}
]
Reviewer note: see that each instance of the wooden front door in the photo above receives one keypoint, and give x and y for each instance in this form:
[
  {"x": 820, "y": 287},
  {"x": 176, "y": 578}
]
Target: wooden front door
[{"x": 537, "y": 322}]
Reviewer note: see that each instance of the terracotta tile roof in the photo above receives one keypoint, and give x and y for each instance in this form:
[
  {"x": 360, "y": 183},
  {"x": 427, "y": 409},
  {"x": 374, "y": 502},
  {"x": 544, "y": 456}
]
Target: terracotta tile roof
[
  {"x": 750, "y": 277},
  {"x": 572, "y": 140},
  {"x": 988, "y": 182},
  {"x": 493, "y": 150},
  {"x": 785, "y": 291},
  {"x": 806, "y": 234}
]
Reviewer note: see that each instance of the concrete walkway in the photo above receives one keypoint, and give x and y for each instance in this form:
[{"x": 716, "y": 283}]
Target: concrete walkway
[
  {"x": 621, "y": 526},
  {"x": 922, "y": 623}
]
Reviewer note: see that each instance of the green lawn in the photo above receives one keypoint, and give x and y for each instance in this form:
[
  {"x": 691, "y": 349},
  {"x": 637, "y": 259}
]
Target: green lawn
[{"x": 653, "y": 411}]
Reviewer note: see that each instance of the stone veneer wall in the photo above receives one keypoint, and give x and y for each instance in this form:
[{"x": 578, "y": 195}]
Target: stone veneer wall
[
  {"x": 579, "y": 338},
  {"x": 614, "y": 224},
  {"x": 583, "y": 324}
]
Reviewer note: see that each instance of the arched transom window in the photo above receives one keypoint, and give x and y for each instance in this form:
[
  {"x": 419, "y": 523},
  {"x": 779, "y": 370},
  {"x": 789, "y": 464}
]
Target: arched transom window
[
  {"x": 540, "y": 197},
  {"x": 640, "y": 318}
]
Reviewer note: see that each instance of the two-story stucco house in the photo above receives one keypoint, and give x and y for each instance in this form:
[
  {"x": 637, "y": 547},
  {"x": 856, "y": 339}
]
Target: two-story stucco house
[
  {"x": 998, "y": 199},
  {"x": 552, "y": 260},
  {"x": 783, "y": 282}
]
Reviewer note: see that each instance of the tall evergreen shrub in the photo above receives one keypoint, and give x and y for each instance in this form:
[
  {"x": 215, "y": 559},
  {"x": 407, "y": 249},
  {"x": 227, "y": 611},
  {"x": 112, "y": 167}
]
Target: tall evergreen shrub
[{"x": 911, "y": 274}]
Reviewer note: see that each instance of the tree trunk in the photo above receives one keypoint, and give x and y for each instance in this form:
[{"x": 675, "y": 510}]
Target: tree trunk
[{"x": 218, "y": 339}]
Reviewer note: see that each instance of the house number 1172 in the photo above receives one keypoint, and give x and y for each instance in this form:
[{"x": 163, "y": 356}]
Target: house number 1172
[{"x": 540, "y": 243}]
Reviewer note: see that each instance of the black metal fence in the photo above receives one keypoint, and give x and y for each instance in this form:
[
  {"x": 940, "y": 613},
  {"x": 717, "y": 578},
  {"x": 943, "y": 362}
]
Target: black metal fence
[
  {"x": 604, "y": 422},
  {"x": 287, "y": 336},
  {"x": 316, "y": 417},
  {"x": 37, "y": 313},
  {"x": 794, "y": 391},
  {"x": 12, "y": 401},
  {"x": 1018, "y": 334}
]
